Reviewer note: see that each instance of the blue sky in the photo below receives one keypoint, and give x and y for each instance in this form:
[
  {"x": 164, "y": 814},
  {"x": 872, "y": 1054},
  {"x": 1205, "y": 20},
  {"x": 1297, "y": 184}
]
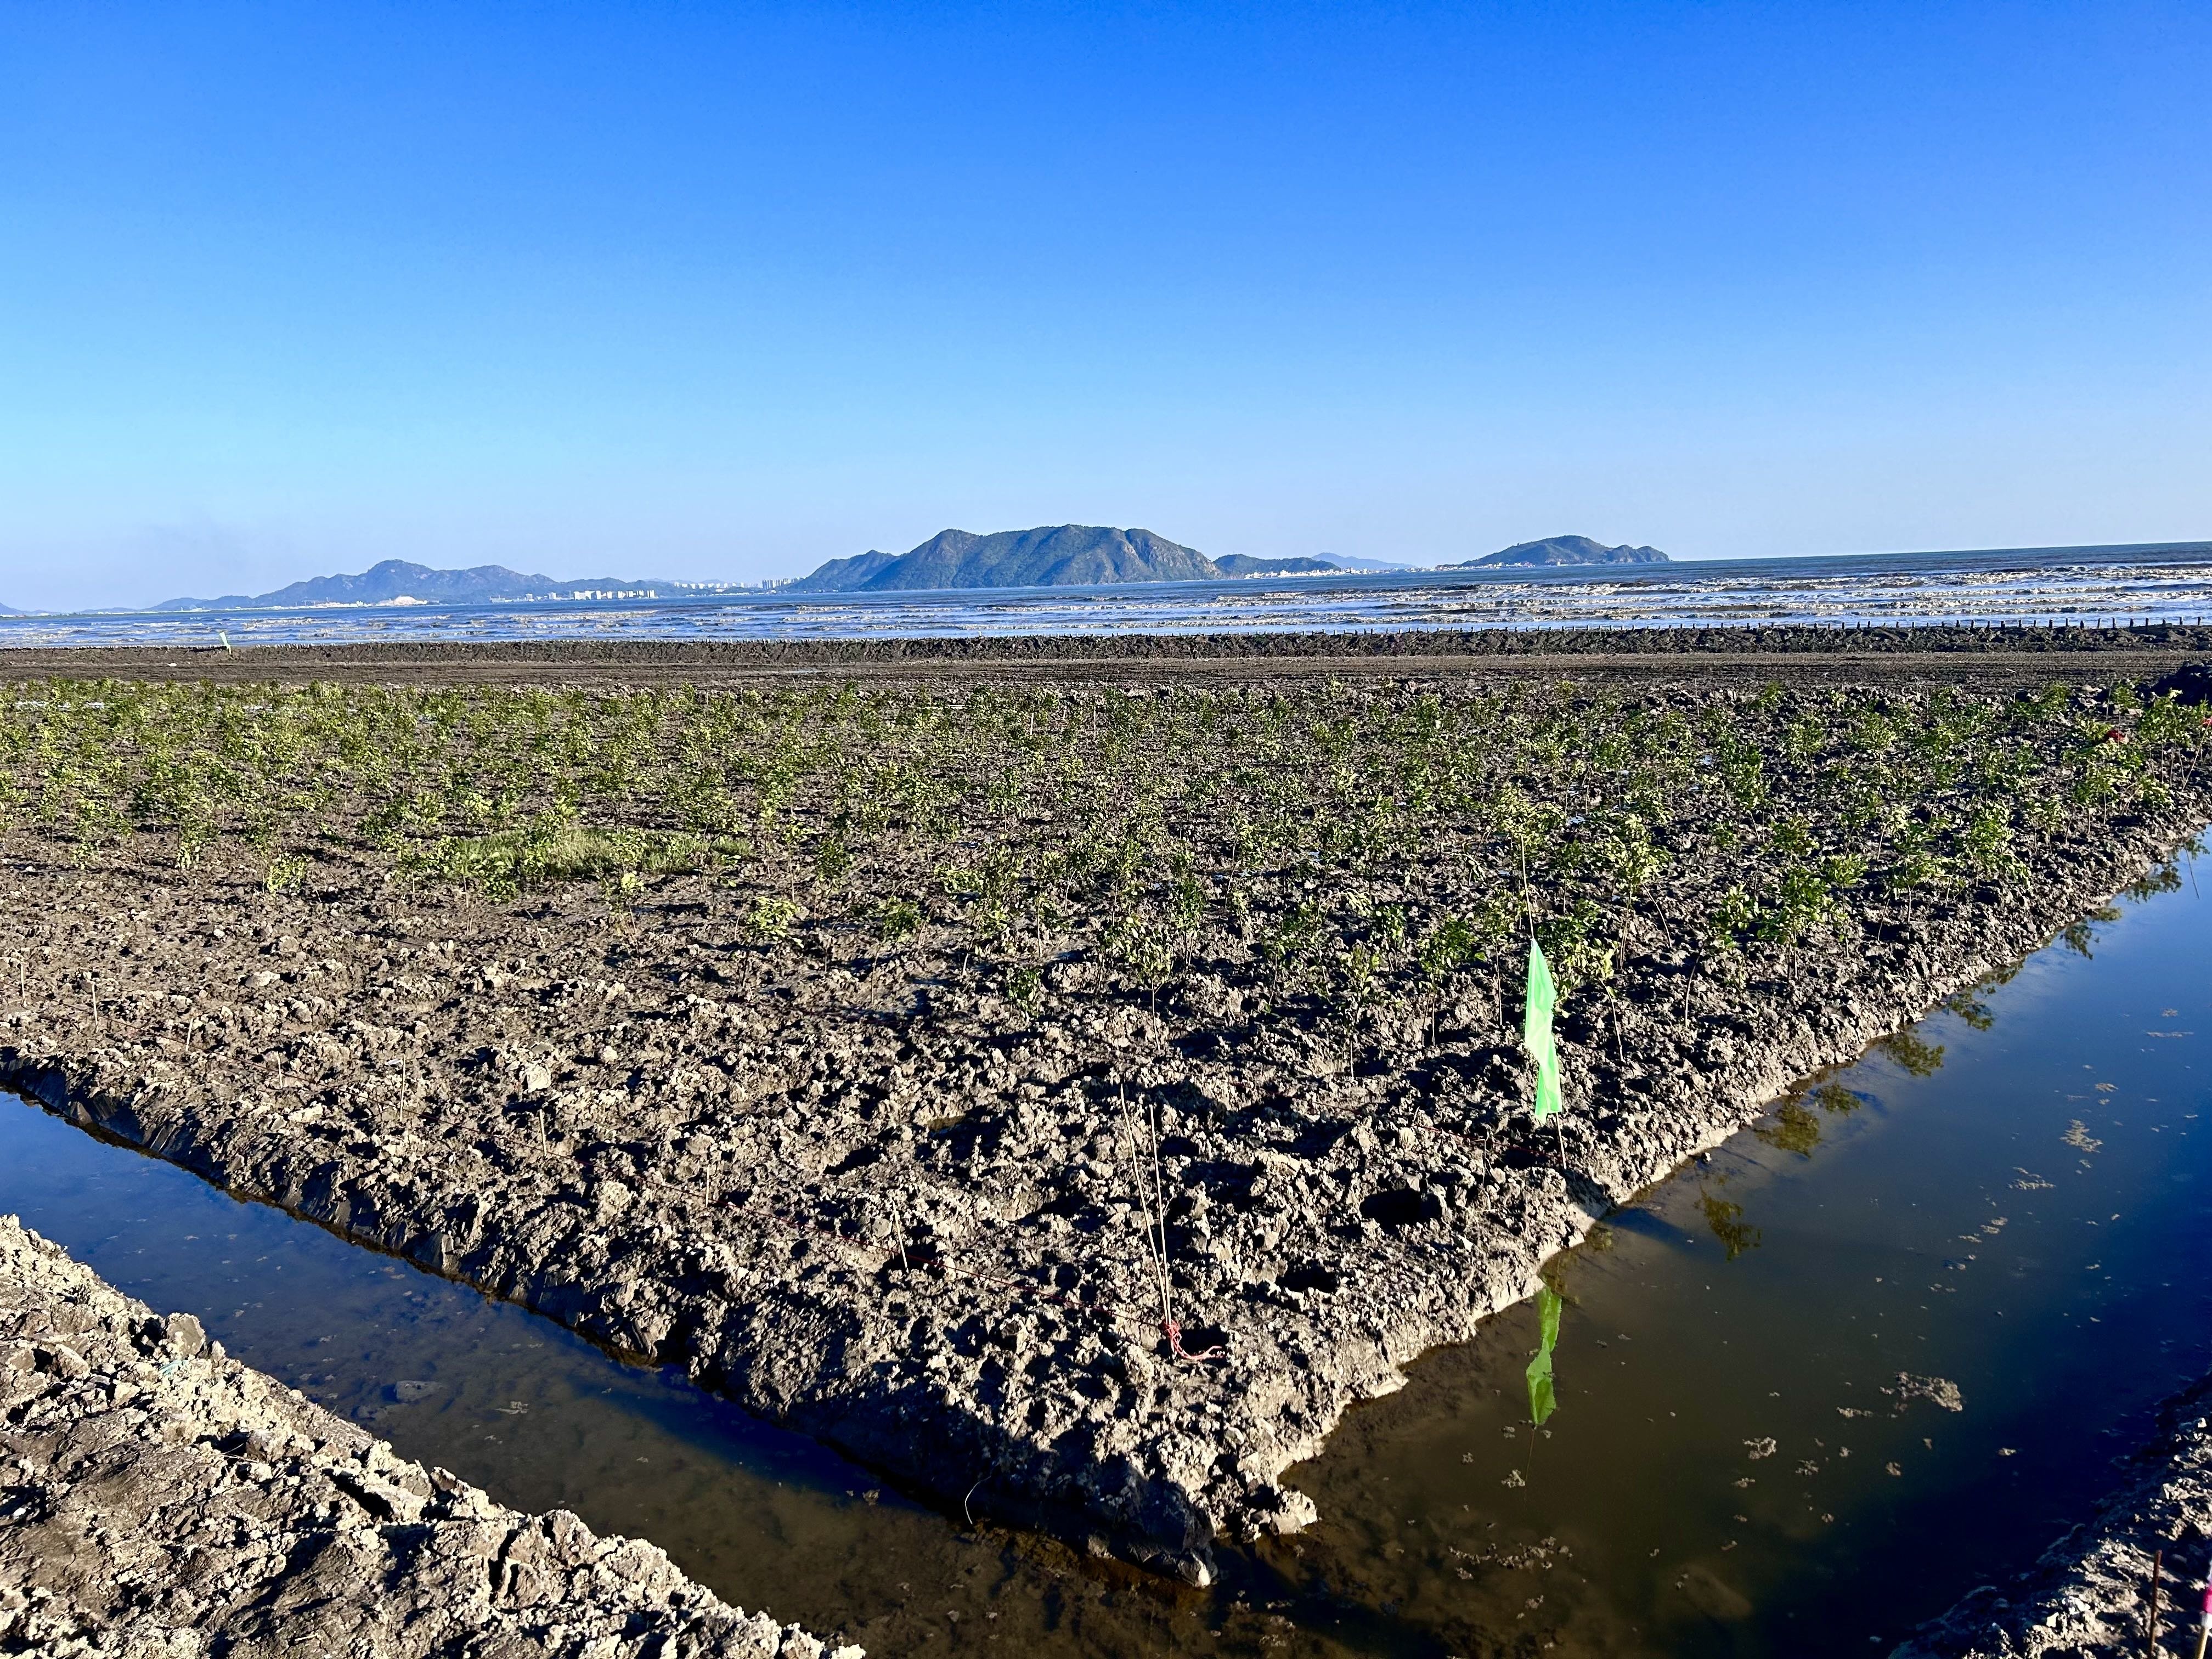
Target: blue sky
[{"x": 724, "y": 290}]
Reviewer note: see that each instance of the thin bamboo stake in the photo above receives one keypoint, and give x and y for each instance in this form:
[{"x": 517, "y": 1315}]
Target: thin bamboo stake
[
  {"x": 1144, "y": 1198},
  {"x": 1159, "y": 1194}
]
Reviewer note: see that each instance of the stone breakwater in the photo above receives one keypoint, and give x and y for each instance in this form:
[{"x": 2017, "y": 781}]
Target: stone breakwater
[
  {"x": 2089, "y": 1594},
  {"x": 859, "y": 1226},
  {"x": 2145, "y": 649},
  {"x": 157, "y": 1498}
]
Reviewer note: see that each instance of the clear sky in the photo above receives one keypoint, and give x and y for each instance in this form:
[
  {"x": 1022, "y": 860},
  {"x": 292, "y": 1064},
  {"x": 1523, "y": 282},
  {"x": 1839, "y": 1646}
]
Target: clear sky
[{"x": 722, "y": 291}]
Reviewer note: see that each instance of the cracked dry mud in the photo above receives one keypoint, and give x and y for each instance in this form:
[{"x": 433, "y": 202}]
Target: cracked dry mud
[
  {"x": 158, "y": 1498},
  {"x": 866, "y": 1195}
]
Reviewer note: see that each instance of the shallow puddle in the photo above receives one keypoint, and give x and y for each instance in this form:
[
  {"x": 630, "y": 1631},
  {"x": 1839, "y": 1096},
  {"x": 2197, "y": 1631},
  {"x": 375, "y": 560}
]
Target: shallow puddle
[{"x": 1874, "y": 1350}]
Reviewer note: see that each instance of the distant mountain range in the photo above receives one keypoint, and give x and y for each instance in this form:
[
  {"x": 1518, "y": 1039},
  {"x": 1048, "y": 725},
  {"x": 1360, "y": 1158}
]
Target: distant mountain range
[
  {"x": 1051, "y": 555},
  {"x": 1565, "y": 550},
  {"x": 395, "y": 581}
]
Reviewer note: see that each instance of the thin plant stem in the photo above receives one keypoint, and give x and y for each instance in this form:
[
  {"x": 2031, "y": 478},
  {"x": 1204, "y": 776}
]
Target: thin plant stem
[
  {"x": 1152, "y": 1196},
  {"x": 1160, "y": 1199}
]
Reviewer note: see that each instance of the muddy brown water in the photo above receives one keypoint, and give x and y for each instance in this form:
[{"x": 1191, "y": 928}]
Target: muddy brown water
[{"x": 1755, "y": 1450}]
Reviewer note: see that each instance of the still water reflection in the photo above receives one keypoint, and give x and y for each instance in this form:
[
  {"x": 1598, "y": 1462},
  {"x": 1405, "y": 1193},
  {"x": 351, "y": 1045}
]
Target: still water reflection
[
  {"x": 1879, "y": 1346},
  {"x": 1874, "y": 1351}
]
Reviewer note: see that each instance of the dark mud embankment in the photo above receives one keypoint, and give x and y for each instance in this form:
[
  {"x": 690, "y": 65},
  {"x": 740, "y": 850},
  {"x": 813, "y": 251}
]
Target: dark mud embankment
[
  {"x": 160, "y": 1498},
  {"x": 1992, "y": 655},
  {"x": 874, "y": 1192}
]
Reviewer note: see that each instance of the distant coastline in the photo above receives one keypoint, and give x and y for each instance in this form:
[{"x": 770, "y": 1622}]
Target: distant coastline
[
  {"x": 402, "y": 587},
  {"x": 398, "y": 581},
  {"x": 1566, "y": 551},
  {"x": 2066, "y": 588}
]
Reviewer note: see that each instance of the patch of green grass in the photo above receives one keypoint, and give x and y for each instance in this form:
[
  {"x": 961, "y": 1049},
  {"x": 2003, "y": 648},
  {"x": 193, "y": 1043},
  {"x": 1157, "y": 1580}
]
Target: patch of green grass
[{"x": 539, "y": 856}]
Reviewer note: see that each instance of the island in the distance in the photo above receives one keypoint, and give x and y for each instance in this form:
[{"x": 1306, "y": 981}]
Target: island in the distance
[
  {"x": 1050, "y": 555},
  {"x": 1565, "y": 550},
  {"x": 1060, "y": 555},
  {"x": 1243, "y": 564},
  {"x": 396, "y": 582}
]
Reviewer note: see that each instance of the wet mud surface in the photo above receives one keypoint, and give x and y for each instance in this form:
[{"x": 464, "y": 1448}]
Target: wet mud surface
[
  {"x": 543, "y": 1421},
  {"x": 1991, "y": 656},
  {"x": 910, "y": 1210},
  {"x": 162, "y": 1499},
  {"x": 1730, "y": 1401}
]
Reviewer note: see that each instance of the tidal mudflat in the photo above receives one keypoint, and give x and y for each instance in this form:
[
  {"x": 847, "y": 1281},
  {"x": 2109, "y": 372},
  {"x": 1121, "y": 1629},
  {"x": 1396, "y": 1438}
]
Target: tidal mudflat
[
  {"x": 1063, "y": 1098},
  {"x": 1864, "y": 1341},
  {"x": 2071, "y": 589}
]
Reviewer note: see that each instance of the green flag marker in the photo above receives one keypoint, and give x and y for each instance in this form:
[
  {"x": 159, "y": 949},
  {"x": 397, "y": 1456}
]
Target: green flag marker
[
  {"x": 1536, "y": 1036},
  {"x": 1543, "y": 1400}
]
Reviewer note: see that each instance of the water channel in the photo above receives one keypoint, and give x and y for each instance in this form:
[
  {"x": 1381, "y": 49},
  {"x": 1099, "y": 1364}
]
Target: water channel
[{"x": 1878, "y": 1347}]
